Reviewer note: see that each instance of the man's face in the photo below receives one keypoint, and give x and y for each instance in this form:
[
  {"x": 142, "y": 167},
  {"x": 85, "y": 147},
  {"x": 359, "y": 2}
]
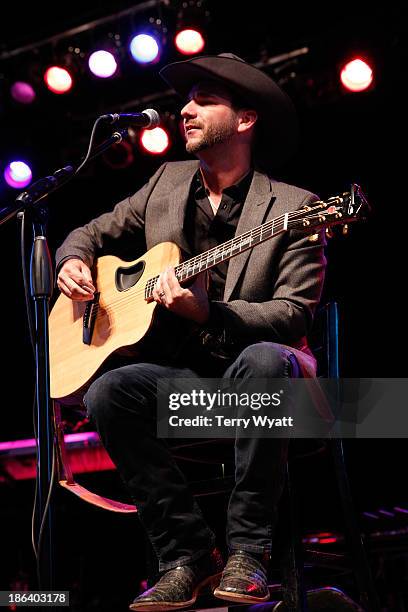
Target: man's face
[{"x": 209, "y": 118}]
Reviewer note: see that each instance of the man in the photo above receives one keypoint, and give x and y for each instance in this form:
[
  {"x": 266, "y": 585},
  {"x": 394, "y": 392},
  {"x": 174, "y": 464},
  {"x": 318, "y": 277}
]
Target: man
[{"x": 250, "y": 321}]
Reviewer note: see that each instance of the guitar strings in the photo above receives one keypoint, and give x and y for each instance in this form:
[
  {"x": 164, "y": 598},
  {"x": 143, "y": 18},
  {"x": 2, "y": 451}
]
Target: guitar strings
[
  {"x": 198, "y": 260},
  {"x": 120, "y": 302},
  {"x": 149, "y": 284}
]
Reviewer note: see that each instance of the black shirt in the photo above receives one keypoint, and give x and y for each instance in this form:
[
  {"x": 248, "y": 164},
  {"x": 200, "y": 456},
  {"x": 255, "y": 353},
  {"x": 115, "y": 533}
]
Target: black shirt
[{"x": 204, "y": 230}]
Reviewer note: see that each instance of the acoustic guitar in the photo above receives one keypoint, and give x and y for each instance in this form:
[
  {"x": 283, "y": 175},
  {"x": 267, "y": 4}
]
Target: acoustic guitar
[{"x": 84, "y": 334}]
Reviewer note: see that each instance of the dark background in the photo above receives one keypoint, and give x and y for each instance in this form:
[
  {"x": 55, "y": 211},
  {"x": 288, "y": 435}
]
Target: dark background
[{"x": 344, "y": 138}]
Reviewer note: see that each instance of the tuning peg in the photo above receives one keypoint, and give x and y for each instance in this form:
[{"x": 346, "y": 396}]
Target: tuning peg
[
  {"x": 329, "y": 232},
  {"x": 345, "y": 229}
]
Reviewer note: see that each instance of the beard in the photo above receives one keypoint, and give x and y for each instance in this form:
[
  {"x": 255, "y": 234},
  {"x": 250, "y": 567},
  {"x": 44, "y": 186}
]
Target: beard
[{"x": 213, "y": 135}]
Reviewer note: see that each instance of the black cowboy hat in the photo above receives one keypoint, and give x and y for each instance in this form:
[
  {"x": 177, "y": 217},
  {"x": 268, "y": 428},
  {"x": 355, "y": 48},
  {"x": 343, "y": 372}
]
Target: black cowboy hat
[{"x": 277, "y": 122}]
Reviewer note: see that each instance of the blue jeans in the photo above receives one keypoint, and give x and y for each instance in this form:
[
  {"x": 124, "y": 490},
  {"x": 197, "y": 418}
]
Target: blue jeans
[{"x": 122, "y": 405}]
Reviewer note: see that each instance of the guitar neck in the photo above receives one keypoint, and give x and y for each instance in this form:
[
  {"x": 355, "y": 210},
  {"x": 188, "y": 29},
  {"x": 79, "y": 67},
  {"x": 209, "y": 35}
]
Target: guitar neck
[
  {"x": 191, "y": 267},
  {"x": 336, "y": 210}
]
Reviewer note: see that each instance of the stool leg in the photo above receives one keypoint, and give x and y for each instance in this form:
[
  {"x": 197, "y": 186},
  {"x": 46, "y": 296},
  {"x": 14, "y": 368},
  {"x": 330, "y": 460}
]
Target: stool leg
[
  {"x": 293, "y": 588},
  {"x": 361, "y": 567}
]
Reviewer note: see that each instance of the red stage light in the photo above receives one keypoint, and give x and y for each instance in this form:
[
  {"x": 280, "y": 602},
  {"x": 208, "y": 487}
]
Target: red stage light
[
  {"x": 58, "y": 80},
  {"x": 327, "y": 540},
  {"x": 356, "y": 75},
  {"x": 155, "y": 141},
  {"x": 189, "y": 41}
]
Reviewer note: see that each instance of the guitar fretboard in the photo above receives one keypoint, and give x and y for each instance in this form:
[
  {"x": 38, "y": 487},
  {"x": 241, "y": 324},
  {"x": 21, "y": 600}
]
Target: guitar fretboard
[
  {"x": 320, "y": 214},
  {"x": 191, "y": 267}
]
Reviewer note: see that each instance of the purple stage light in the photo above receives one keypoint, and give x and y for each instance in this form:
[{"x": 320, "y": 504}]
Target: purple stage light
[
  {"x": 386, "y": 513},
  {"x": 18, "y": 174},
  {"x": 22, "y": 92},
  {"x": 102, "y": 64}
]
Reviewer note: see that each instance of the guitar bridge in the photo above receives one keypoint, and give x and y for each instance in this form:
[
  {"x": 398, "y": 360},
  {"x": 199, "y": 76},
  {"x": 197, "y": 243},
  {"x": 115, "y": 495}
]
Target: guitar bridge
[{"x": 91, "y": 310}]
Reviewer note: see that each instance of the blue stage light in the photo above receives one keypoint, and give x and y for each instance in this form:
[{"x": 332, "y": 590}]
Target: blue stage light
[{"x": 144, "y": 48}]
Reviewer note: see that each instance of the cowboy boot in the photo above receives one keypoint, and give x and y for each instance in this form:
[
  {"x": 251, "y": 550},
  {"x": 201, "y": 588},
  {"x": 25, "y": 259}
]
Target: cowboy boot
[
  {"x": 179, "y": 587},
  {"x": 244, "y": 579}
]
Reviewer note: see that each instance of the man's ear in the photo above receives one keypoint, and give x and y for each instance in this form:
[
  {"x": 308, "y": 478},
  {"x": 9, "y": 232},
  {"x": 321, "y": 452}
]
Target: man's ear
[{"x": 247, "y": 119}]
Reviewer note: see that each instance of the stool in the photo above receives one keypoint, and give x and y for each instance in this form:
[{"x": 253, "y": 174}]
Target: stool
[{"x": 294, "y": 593}]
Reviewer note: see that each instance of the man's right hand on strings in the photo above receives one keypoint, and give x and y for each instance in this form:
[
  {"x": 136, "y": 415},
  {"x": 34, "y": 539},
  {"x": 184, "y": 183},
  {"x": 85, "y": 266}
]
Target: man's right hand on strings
[{"x": 75, "y": 280}]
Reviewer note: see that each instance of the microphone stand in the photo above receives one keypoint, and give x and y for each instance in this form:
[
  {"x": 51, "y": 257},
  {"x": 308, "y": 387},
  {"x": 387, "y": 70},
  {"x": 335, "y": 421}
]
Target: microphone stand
[{"x": 41, "y": 287}]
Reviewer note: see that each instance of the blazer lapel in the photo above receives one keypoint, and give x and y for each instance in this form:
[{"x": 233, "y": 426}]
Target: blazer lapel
[
  {"x": 178, "y": 198},
  {"x": 252, "y": 215}
]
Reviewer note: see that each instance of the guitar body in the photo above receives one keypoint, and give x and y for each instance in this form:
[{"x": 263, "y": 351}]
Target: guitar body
[{"x": 121, "y": 318}]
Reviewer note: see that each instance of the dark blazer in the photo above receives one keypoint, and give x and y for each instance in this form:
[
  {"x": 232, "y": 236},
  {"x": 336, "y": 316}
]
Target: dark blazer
[{"x": 271, "y": 291}]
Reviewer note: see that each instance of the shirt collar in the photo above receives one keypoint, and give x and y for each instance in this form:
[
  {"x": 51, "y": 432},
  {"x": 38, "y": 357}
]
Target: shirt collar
[{"x": 238, "y": 191}]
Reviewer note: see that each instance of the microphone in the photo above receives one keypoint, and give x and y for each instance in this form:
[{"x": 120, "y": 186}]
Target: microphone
[{"x": 149, "y": 118}]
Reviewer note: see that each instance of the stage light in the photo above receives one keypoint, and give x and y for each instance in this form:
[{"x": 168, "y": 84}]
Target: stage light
[
  {"x": 102, "y": 64},
  {"x": 18, "y": 174},
  {"x": 144, "y": 48},
  {"x": 155, "y": 141},
  {"x": 191, "y": 24},
  {"x": 58, "y": 80},
  {"x": 356, "y": 75},
  {"x": 189, "y": 41},
  {"x": 22, "y": 92}
]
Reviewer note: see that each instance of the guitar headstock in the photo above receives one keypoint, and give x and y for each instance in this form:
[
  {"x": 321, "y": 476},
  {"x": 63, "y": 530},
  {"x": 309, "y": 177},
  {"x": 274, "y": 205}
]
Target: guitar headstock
[{"x": 338, "y": 210}]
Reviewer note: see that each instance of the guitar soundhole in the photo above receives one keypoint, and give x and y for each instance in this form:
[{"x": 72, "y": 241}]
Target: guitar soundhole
[{"x": 128, "y": 277}]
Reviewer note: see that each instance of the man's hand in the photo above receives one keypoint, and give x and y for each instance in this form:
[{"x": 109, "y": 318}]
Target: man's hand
[
  {"x": 75, "y": 280},
  {"x": 190, "y": 302}
]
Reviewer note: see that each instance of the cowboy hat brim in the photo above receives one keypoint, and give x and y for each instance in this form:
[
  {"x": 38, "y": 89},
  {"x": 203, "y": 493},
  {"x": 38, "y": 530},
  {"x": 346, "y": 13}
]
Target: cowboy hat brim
[{"x": 277, "y": 132}]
